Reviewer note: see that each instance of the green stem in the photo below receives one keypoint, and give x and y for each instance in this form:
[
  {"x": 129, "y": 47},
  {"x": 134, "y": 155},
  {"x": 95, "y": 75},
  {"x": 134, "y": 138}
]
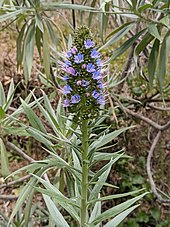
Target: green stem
[{"x": 84, "y": 183}]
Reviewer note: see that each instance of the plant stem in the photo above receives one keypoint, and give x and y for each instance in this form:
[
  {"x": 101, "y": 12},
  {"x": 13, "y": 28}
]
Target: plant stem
[{"x": 84, "y": 183}]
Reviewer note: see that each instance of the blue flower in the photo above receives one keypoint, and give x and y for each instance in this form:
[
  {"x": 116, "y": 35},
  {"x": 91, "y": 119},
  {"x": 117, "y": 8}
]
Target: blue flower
[
  {"x": 67, "y": 63},
  {"x": 99, "y": 62},
  {"x": 68, "y": 54},
  {"x": 94, "y": 54},
  {"x": 78, "y": 58},
  {"x": 65, "y": 78},
  {"x": 95, "y": 94},
  {"x": 88, "y": 43},
  {"x": 97, "y": 75},
  {"x": 100, "y": 85},
  {"x": 90, "y": 68},
  {"x": 100, "y": 100},
  {"x": 84, "y": 83},
  {"x": 70, "y": 70},
  {"x": 66, "y": 102},
  {"x": 74, "y": 50},
  {"x": 67, "y": 89},
  {"x": 75, "y": 98}
]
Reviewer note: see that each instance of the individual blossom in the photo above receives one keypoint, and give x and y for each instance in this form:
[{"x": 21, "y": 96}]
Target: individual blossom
[
  {"x": 74, "y": 50},
  {"x": 97, "y": 75},
  {"x": 75, "y": 98},
  {"x": 89, "y": 43},
  {"x": 78, "y": 58},
  {"x": 94, "y": 54},
  {"x": 67, "y": 89},
  {"x": 90, "y": 68},
  {"x": 66, "y": 102},
  {"x": 85, "y": 83}
]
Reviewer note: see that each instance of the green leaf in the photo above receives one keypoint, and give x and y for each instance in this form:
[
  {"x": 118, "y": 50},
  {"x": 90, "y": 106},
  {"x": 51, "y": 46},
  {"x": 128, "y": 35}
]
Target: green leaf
[
  {"x": 10, "y": 95},
  {"x": 38, "y": 38},
  {"x": 4, "y": 160},
  {"x": 29, "y": 50},
  {"x": 102, "y": 178},
  {"x": 119, "y": 218},
  {"x": 163, "y": 60},
  {"x": 152, "y": 63},
  {"x": 91, "y": 13},
  {"x": 142, "y": 45},
  {"x": 51, "y": 33},
  {"x": 54, "y": 212},
  {"x": 33, "y": 118},
  {"x": 95, "y": 212},
  {"x": 2, "y": 113},
  {"x": 118, "y": 35},
  {"x": 10, "y": 15},
  {"x": 38, "y": 135},
  {"x": 153, "y": 30},
  {"x": 39, "y": 22},
  {"x": 64, "y": 5},
  {"x": 116, "y": 209},
  {"x": 20, "y": 49},
  {"x": 46, "y": 53},
  {"x": 124, "y": 47},
  {"x": 2, "y": 95},
  {"x": 105, "y": 139}
]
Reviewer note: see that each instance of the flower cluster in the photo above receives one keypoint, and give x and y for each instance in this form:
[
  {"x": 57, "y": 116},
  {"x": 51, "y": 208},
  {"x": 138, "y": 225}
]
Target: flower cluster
[{"x": 83, "y": 77}]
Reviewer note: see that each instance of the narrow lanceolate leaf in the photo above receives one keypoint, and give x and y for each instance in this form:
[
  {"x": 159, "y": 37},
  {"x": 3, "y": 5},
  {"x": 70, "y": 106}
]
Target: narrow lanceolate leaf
[
  {"x": 39, "y": 22},
  {"x": 119, "y": 218},
  {"x": 2, "y": 95},
  {"x": 96, "y": 212},
  {"x": 46, "y": 53},
  {"x": 4, "y": 160},
  {"x": 29, "y": 50},
  {"x": 102, "y": 178},
  {"x": 117, "y": 35},
  {"x": 153, "y": 30},
  {"x": 10, "y": 95},
  {"x": 124, "y": 47},
  {"x": 33, "y": 118},
  {"x": 2, "y": 113},
  {"x": 54, "y": 212},
  {"x": 152, "y": 63},
  {"x": 20, "y": 49},
  {"x": 105, "y": 139},
  {"x": 116, "y": 210},
  {"x": 10, "y": 15},
  {"x": 163, "y": 60},
  {"x": 142, "y": 45}
]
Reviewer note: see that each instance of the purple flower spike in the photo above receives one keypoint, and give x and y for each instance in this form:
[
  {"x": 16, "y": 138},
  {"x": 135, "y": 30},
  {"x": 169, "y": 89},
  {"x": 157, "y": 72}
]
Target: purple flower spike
[
  {"x": 97, "y": 75},
  {"x": 88, "y": 43},
  {"x": 94, "y": 54},
  {"x": 66, "y": 102},
  {"x": 90, "y": 68},
  {"x": 75, "y": 98},
  {"x": 67, "y": 89},
  {"x": 78, "y": 58},
  {"x": 74, "y": 50}
]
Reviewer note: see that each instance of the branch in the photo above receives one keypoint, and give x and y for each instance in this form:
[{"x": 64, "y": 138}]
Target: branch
[
  {"x": 145, "y": 119},
  {"x": 8, "y": 197},
  {"x": 148, "y": 167},
  {"x": 159, "y": 108},
  {"x": 19, "y": 151},
  {"x": 15, "y": 182}
]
